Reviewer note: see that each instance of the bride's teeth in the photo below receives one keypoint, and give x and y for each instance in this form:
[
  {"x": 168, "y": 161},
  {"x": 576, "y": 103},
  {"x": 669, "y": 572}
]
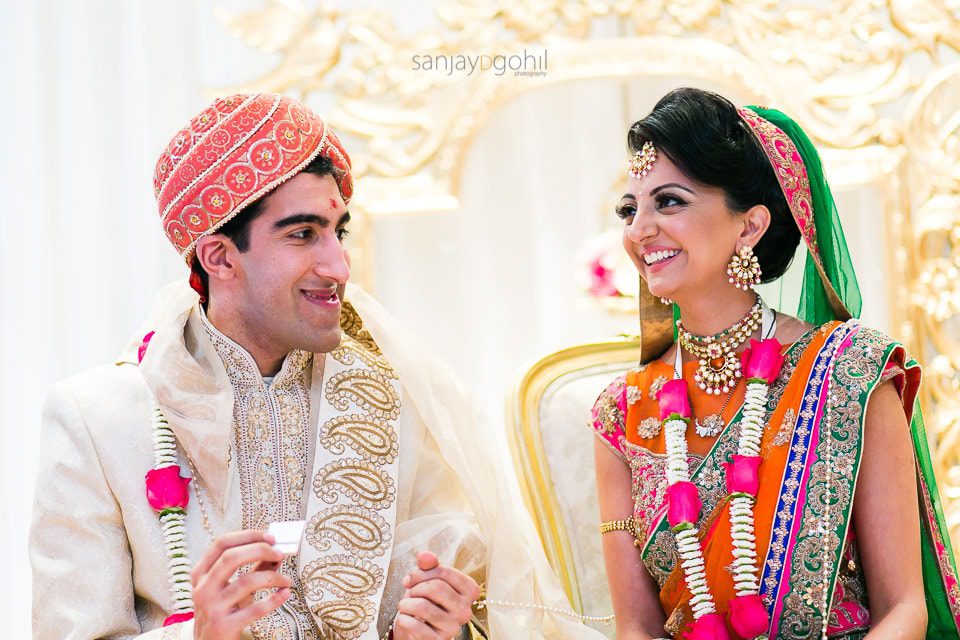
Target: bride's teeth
[{"x": 657, "y": 256}]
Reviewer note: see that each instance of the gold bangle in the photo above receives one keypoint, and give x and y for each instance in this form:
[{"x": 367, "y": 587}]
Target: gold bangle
[{"x": 619, "y": 525}]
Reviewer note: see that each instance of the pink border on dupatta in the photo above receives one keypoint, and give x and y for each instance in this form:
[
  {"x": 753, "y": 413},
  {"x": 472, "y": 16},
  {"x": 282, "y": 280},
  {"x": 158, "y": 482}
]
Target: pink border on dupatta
[{"x": 790, "y": 171}]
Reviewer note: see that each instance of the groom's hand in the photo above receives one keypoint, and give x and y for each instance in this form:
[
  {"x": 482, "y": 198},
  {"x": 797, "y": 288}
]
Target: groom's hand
[
  {"x": 224, "y": 607},
  {"x": 437, "y": 602}
]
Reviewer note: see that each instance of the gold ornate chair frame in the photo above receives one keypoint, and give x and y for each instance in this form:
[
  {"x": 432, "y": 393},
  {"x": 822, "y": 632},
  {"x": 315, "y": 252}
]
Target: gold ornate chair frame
[{"x": 526, "y": 440}]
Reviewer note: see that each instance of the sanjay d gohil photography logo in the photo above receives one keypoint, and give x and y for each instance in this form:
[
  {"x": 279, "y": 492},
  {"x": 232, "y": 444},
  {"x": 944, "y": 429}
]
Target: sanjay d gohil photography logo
[{"x": 528, "y": 63}]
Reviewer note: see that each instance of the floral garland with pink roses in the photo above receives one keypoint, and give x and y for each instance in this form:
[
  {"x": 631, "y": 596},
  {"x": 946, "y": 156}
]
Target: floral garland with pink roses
[
  {"x": 167, "y": 494},
  {"x": 761, "y": 364}
]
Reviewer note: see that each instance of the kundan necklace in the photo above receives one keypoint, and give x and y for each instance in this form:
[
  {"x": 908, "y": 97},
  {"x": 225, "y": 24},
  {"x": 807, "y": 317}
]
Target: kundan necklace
[
  {"x": 719, "y": 366},
  {"x": 747, "y": 613},
  {"x": 714, "y": 423}
]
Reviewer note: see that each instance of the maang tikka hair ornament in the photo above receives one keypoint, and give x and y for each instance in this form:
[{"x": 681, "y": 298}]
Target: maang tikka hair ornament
[
  {"x": 744, "y": 269},
  {"x": 642, "y": 161}
]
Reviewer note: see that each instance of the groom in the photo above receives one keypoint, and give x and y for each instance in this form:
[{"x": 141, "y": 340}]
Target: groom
[{"x": 264, "y": 388}]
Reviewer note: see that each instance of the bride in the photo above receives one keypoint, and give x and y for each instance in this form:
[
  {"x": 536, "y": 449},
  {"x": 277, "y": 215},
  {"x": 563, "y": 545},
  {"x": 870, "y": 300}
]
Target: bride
[{"x": 759, "y": 475}]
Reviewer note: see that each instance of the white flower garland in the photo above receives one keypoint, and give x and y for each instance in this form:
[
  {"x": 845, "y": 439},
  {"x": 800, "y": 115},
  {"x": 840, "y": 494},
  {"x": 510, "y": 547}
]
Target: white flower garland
[
  {"x": 689, "y": 549},
  {"x": 745, "y": 575},
  {"x": 688, "y": 543},
  {"x": 173, "y": 521}
]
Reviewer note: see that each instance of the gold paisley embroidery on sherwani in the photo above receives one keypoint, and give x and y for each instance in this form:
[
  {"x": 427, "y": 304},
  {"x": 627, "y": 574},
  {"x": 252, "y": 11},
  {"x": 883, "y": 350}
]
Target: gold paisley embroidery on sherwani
[
  {"x": 352, "y": 505},
  {"x": 351, "y": 510}
]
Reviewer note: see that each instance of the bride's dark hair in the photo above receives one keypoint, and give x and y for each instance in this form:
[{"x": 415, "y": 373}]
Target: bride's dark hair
[{"x": 704, "y": 136}]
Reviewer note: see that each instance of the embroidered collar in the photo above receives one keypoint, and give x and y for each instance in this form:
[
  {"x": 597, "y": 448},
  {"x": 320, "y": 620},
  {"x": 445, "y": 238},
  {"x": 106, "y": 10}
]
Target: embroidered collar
[{"x": 242, "y": 368}]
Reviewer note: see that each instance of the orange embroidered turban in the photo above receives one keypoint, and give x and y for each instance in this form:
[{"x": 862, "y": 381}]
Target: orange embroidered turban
[{"x": 231, "y": 154}]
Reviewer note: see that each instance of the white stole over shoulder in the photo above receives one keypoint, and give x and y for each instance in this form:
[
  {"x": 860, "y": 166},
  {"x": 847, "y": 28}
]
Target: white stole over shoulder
[{"x": 352, "y": 505}]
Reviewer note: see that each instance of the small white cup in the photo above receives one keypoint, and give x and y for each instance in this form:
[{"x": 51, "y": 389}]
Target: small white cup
[{"x": 288, "y": 535}]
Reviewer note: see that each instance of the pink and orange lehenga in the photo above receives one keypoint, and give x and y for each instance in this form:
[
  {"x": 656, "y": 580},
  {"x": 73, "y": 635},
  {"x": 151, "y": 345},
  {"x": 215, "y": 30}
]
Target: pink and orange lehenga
[
  {"x": 811, "y": 454},
  {"x": 811, "y": 581}
]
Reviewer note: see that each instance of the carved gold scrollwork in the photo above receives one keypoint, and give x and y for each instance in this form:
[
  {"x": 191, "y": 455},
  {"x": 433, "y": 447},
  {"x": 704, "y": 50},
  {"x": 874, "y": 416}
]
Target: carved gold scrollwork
[{"x": 934, "y": 181}]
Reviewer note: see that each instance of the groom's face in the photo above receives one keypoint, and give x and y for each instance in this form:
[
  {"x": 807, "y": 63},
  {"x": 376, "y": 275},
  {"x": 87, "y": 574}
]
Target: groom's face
[{"x": 293, "y": 274}]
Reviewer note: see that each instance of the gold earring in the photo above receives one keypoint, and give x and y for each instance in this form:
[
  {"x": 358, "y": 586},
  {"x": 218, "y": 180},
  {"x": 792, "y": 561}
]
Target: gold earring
[{"x": 744, "y": 269}]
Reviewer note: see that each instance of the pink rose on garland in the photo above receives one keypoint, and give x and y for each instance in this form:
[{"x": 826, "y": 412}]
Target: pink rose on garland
[
  {"x": 178, "y": 617},
  {"x": 743, "y": 474},
  {"x": 683, "y": 503},
  {"x": 674, "y": 400},
  {"x": 748, "y": 616},
  {"x": 142, "y": 351},
  {"x": 708, "y": 627},
  {"x": 166, "y": 489},
  {"x": 762, "y": 360}
]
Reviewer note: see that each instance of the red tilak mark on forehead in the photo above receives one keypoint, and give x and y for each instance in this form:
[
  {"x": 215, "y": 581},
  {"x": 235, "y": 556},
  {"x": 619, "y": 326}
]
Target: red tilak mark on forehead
[{"x": 333, "y": 203}]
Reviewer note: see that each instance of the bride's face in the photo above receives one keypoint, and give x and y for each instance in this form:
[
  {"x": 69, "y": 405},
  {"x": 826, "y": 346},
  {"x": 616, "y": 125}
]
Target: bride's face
[{"x": 678, "y": 233}]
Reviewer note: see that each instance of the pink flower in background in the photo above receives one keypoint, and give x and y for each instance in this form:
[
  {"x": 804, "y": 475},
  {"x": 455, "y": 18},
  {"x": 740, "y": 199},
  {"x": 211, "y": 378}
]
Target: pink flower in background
[
  {"x": 762, "y": 360},
  {"x": 166, "y": 489},
  {"x": 605, "y": 273},
  {"x": 673, "y": 399},
  {"x": 601, "y": 279}
]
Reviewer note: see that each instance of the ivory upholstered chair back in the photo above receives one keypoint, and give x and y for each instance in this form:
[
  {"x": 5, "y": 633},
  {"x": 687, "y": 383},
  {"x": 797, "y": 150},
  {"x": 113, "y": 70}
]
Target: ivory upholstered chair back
[{"x": 552, "y": 447}]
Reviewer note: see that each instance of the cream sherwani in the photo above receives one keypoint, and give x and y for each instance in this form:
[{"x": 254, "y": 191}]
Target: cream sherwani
[{"x": 330, "y": 440}]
